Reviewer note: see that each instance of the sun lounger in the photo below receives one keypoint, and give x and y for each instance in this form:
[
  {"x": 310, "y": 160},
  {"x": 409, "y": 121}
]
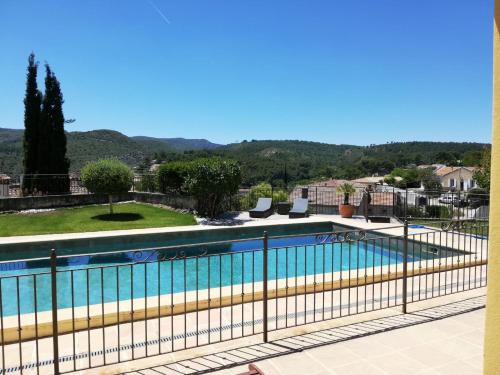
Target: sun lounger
[
  {"x": 263, "y": 208},
  {"x": 299, "y": 208}
]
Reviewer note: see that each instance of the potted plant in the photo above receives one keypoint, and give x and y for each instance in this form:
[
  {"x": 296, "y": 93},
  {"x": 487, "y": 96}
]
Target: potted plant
[{"x": 346, "y": 209}]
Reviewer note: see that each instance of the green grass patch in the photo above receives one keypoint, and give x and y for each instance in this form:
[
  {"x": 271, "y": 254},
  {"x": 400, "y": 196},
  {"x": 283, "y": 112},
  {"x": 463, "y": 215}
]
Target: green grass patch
[
  {"x": 91, "y": 219},
  {"x": 480, "y": 229}
]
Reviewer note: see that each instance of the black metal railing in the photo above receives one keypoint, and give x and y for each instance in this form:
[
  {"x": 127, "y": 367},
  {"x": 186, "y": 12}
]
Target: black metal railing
[
  {"x": 379, "y": 201},
  {"x": 29, "y": 185},
  {"x": 122, "y": 305},
  {"x": 436, "y": 205}
]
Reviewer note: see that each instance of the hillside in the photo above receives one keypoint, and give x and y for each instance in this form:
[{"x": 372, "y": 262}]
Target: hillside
[
  {"x": 82, "y": 147},
  {"x": 10, "y": 150},
  {"x": 268, "y": 160},
  {"x": 91, "y": 145}
]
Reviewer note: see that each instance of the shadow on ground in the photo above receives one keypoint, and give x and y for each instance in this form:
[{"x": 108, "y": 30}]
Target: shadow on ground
[
  {"x": 257, "y": 352},
  {"x": 226, "y": 219},
  {"x": 122, "y": 216}
]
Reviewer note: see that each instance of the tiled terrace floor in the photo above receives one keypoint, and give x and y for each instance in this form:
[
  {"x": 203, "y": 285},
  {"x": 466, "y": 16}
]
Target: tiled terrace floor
[
  {"x": 452, "y": 346},
  {"x": 445, "y": 339}
]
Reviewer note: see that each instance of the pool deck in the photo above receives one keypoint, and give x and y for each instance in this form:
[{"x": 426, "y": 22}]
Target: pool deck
[
  {"x": 440, "y": 336},
  {"x": 449, "y": 346},
  {"x": 227, "y": 312}
]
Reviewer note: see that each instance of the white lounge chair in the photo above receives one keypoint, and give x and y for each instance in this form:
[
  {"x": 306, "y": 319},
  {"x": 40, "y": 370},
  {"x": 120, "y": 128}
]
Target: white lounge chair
[{"x": 299, "y": 208}]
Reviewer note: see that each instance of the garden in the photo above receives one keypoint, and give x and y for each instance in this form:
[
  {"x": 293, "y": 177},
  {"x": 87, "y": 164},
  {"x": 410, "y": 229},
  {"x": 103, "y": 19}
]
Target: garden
[{"x": 128, "y": 215}]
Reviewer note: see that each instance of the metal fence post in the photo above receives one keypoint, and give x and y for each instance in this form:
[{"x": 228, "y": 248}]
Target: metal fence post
[
  {"x": 316, "y": 200},
  {"x": 55, "y": 334},
  {"x": 365, "y": 198},
  {"x": 265, "y": 297},
  {"x": 406, "y": 204},
  {"x": 392, "y": 200},
  {"x": 405, "y": 266},
  {"x": 459, "y": 204}
]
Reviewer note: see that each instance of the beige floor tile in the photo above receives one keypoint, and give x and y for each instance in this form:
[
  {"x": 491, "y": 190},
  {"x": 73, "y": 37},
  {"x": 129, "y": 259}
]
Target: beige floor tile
[
  {"x": 398, "y": 363},
  {"x": 369, "y": 347},
  {"x": 477, "y": 361},
  {"x": 474, "y": 337},
  {"x": 460, "y": 348},
  {"x": 458, "y": 368},
  {"x": 428, "y": 354},
  {"x": 335, "y": 355},
  {"x": 359, "y": 368},
  {"x": 427, "y": 371}
]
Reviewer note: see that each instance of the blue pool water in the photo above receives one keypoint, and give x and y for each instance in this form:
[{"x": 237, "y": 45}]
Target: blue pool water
[{"x": 108, "y": 278}]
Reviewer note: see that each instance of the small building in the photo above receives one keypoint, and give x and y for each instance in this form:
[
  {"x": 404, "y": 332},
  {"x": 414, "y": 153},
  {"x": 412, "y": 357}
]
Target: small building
[
  {"x": 4, "y": 185},
  {"x": 456, "y": 178},
  {"x": 332, "y": 183},
  {"x": 372, "y": 180}
]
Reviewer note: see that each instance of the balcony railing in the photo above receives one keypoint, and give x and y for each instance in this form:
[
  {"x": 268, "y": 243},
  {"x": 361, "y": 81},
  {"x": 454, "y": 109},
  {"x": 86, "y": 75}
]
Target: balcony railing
[{"x": 383, "y": 201}]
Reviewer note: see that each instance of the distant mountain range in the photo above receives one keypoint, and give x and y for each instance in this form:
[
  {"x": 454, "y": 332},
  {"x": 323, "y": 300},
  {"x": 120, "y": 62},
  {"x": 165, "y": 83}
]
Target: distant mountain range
[
  {"x": 181, "y": 144},
  {"x": 86, "y": 146}
]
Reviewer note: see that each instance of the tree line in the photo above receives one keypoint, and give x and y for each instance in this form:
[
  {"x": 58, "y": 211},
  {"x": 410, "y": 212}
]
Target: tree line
[{"x": 285, "y": 163}]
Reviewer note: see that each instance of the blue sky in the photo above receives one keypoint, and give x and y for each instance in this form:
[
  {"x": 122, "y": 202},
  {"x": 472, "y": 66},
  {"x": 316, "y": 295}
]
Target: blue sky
[{"x": 356, "y": 72}]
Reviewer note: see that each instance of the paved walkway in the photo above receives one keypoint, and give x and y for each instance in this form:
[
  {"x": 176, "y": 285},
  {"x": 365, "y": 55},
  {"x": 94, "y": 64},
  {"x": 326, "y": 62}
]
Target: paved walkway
[
  {"x": 453, "y": 346},
  {"x": 445, "y": 339}
]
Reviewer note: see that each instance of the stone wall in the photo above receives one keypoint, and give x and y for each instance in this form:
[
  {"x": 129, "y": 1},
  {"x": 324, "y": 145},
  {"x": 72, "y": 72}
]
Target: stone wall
[
  {"x": 175, "y": 201},
  {"x": 54, "y": 201}
]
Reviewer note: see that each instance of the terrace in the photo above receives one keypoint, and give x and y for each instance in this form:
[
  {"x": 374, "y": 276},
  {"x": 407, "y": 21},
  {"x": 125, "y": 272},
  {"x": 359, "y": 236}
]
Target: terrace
[
  {"x": 117, "y": 306},
  {"x": 158, "y": 291},
  {"x": 317, "y": 295},
  {"x": 128, "y": 294}
]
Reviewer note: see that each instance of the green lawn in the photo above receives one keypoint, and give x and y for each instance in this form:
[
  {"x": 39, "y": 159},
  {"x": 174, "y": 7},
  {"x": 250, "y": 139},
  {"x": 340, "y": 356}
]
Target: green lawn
[
  {"x": 480, "y": 230},
  {"x": 91, "y": 219}
]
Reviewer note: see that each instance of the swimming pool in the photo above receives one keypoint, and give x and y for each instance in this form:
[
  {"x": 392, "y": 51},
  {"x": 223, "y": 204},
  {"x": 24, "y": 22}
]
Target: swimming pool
[{"x": 101, "y": 278}]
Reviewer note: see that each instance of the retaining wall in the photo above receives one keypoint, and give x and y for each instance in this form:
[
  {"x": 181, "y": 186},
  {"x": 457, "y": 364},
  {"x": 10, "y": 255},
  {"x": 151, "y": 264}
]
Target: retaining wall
[{"x": 54, "y": 201}]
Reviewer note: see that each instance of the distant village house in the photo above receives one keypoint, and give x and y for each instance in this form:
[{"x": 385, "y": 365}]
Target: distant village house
[{"x": 456, "y": 178}]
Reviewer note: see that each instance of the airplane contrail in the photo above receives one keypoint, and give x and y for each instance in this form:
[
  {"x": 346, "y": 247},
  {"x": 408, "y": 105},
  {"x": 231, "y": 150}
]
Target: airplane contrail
[{"x": 160, "y": 13}]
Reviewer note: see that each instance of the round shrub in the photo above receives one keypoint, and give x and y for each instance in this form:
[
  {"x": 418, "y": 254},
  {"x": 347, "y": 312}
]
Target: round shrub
[
  {"x": 438, "y": 212},
  {"x": 280, "y": 196},
  {"x": 265, "y": 190},
  {"x": 147, "y": 182},
  {"x": 172, "y": 175},
  {"x": 212, "y": 181},
  {"x": 107, "y": 176},
  {"x": 415, "y": 212}
]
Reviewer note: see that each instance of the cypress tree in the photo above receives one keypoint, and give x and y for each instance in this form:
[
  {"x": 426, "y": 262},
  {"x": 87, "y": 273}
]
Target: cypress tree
[
  {"x": 32, "y": 116},
  {"x": 53, "y": 139}
]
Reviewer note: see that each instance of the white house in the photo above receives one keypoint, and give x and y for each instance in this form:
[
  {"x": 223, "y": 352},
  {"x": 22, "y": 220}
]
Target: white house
[{"x": 456, "y": 178}]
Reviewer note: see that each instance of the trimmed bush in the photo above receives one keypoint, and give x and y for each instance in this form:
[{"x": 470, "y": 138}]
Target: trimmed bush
[
  {"x": 107, "y": 176},
  {"x": 264, "y": 190},
  {"x": 172, "y": 176},
  {"x": 438, "y": 212},
  {"x": 212, "y": 181},
  {"x": 415, "y": 212},
  {"x": 147, "y": 183}
]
